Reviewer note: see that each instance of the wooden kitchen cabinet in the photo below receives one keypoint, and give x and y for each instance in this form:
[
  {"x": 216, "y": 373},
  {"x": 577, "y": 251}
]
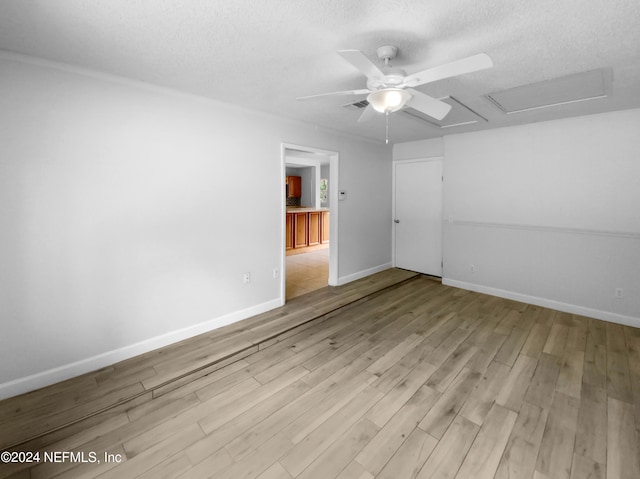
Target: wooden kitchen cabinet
[
  {"x": 289, "y": 231},
  {"x": 300, "y": 230},
  {"x": 324, "y": 238},
  {"x": 315, "y": 227},
  {"x": 306, "y": 230},
  {"x": 294, "y": 186}
]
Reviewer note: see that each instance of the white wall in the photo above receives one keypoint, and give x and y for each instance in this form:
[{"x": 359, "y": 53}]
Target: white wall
[
  {"x": 308, "y": 186},
  {"x": 547, "y": 213},
  {"x": 129, "y": 214},
  {"x": 419, "y": 149}
]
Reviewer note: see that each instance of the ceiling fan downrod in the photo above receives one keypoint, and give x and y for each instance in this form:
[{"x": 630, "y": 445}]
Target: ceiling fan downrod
[{"x": 386, "y": 53}]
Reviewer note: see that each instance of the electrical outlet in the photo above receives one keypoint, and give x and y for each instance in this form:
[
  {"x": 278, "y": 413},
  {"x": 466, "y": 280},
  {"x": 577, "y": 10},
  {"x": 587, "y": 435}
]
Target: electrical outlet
[
  {"x": 619, "y": 293},
  {"x": 473, "y": 268},
  {"x": 246, "y": 278},
  {"x": 276, "y": 273}
]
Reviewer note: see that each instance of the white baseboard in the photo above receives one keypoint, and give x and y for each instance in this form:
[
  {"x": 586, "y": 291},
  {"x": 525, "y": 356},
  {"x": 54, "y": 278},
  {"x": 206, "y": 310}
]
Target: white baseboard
[
  {"x": 362, "y": 274},
  {"x": 546, "y": 303},
  {"x": 61, "y": 373}
]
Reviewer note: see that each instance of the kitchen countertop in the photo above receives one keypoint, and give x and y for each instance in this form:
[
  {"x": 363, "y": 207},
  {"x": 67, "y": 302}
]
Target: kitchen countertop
[{"x": 304, "y": 209}]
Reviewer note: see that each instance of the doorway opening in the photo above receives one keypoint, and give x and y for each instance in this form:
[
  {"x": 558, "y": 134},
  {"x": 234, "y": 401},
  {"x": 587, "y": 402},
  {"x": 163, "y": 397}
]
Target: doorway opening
[{"x": 310, "y": 220}]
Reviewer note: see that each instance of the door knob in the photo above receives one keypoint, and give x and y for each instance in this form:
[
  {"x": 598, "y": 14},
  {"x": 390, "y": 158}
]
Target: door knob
[{"x": 396, "y": 221}]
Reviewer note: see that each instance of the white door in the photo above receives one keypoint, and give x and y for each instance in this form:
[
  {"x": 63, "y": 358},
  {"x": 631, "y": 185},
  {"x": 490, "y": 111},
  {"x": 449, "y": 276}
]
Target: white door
[{"x": 418, "y": 215}]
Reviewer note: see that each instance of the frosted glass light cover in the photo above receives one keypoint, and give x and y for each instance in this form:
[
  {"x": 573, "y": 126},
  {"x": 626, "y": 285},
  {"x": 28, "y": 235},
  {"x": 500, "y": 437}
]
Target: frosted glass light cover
[{"x": 388, "y": 100}]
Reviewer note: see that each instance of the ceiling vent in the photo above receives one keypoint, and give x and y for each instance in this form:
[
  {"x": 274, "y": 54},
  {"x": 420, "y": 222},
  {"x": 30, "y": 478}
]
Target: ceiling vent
[
  {"x": 459, "y": 115},
  {"x": 558, "y": 91},
  {"x": 358, "y": 105}
]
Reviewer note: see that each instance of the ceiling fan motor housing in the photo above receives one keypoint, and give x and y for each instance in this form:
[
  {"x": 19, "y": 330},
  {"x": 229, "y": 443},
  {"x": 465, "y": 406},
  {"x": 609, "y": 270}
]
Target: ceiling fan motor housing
[{"x": 393, "y": 77}]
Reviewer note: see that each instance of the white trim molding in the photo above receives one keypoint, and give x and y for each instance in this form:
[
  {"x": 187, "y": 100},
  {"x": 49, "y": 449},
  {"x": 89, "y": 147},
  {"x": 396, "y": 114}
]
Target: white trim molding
[
  {"x": 363, "y": 274},
  {"x": 67, "y": 371},
  {"x": 547, "y": 229},
  {"x": 545, "y": 303}
]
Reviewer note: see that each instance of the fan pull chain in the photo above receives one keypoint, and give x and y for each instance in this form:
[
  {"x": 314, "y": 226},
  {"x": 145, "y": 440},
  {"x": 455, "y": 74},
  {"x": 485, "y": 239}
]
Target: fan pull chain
[{"x": 386, "y": 138}]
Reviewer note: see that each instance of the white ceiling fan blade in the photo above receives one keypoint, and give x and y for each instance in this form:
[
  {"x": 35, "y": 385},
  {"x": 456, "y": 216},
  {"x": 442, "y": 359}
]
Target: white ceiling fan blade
[
  {"x": 474, "y": 63},
  {"x": 362, "y": 63},
  {"x": 429, "y": 106},
  {"x": 367, "y": 114},
  {"x": 336, "y": 93}
]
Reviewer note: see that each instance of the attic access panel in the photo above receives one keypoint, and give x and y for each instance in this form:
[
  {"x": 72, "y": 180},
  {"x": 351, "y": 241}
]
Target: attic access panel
[{"x": 558, "y": 91}]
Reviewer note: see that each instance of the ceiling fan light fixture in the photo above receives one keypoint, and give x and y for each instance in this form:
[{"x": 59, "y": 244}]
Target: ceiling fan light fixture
[{"x": 389, "y": 99}]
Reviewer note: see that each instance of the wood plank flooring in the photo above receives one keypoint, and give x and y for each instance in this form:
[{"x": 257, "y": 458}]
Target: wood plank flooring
[
  {"x": 417, "y": 381},
  {"x": 158, "y": 372}
]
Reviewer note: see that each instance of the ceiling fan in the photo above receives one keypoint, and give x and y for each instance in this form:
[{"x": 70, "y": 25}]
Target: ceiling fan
[{"x": 390, "y": 89}]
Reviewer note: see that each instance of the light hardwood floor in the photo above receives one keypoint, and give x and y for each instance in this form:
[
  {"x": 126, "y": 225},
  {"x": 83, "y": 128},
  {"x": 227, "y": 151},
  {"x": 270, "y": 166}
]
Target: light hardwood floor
[{"x": 419, "y": 380}]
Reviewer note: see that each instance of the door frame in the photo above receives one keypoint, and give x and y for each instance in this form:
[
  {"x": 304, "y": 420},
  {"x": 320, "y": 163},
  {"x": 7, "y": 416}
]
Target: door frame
[
  {"x": 334, "y": 160},
  {"x": 393, "y": 208}
]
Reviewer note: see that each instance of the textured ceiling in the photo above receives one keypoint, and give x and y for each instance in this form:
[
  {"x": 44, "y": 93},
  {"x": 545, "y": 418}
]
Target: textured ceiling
[{"x": 264, "y": 54}]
